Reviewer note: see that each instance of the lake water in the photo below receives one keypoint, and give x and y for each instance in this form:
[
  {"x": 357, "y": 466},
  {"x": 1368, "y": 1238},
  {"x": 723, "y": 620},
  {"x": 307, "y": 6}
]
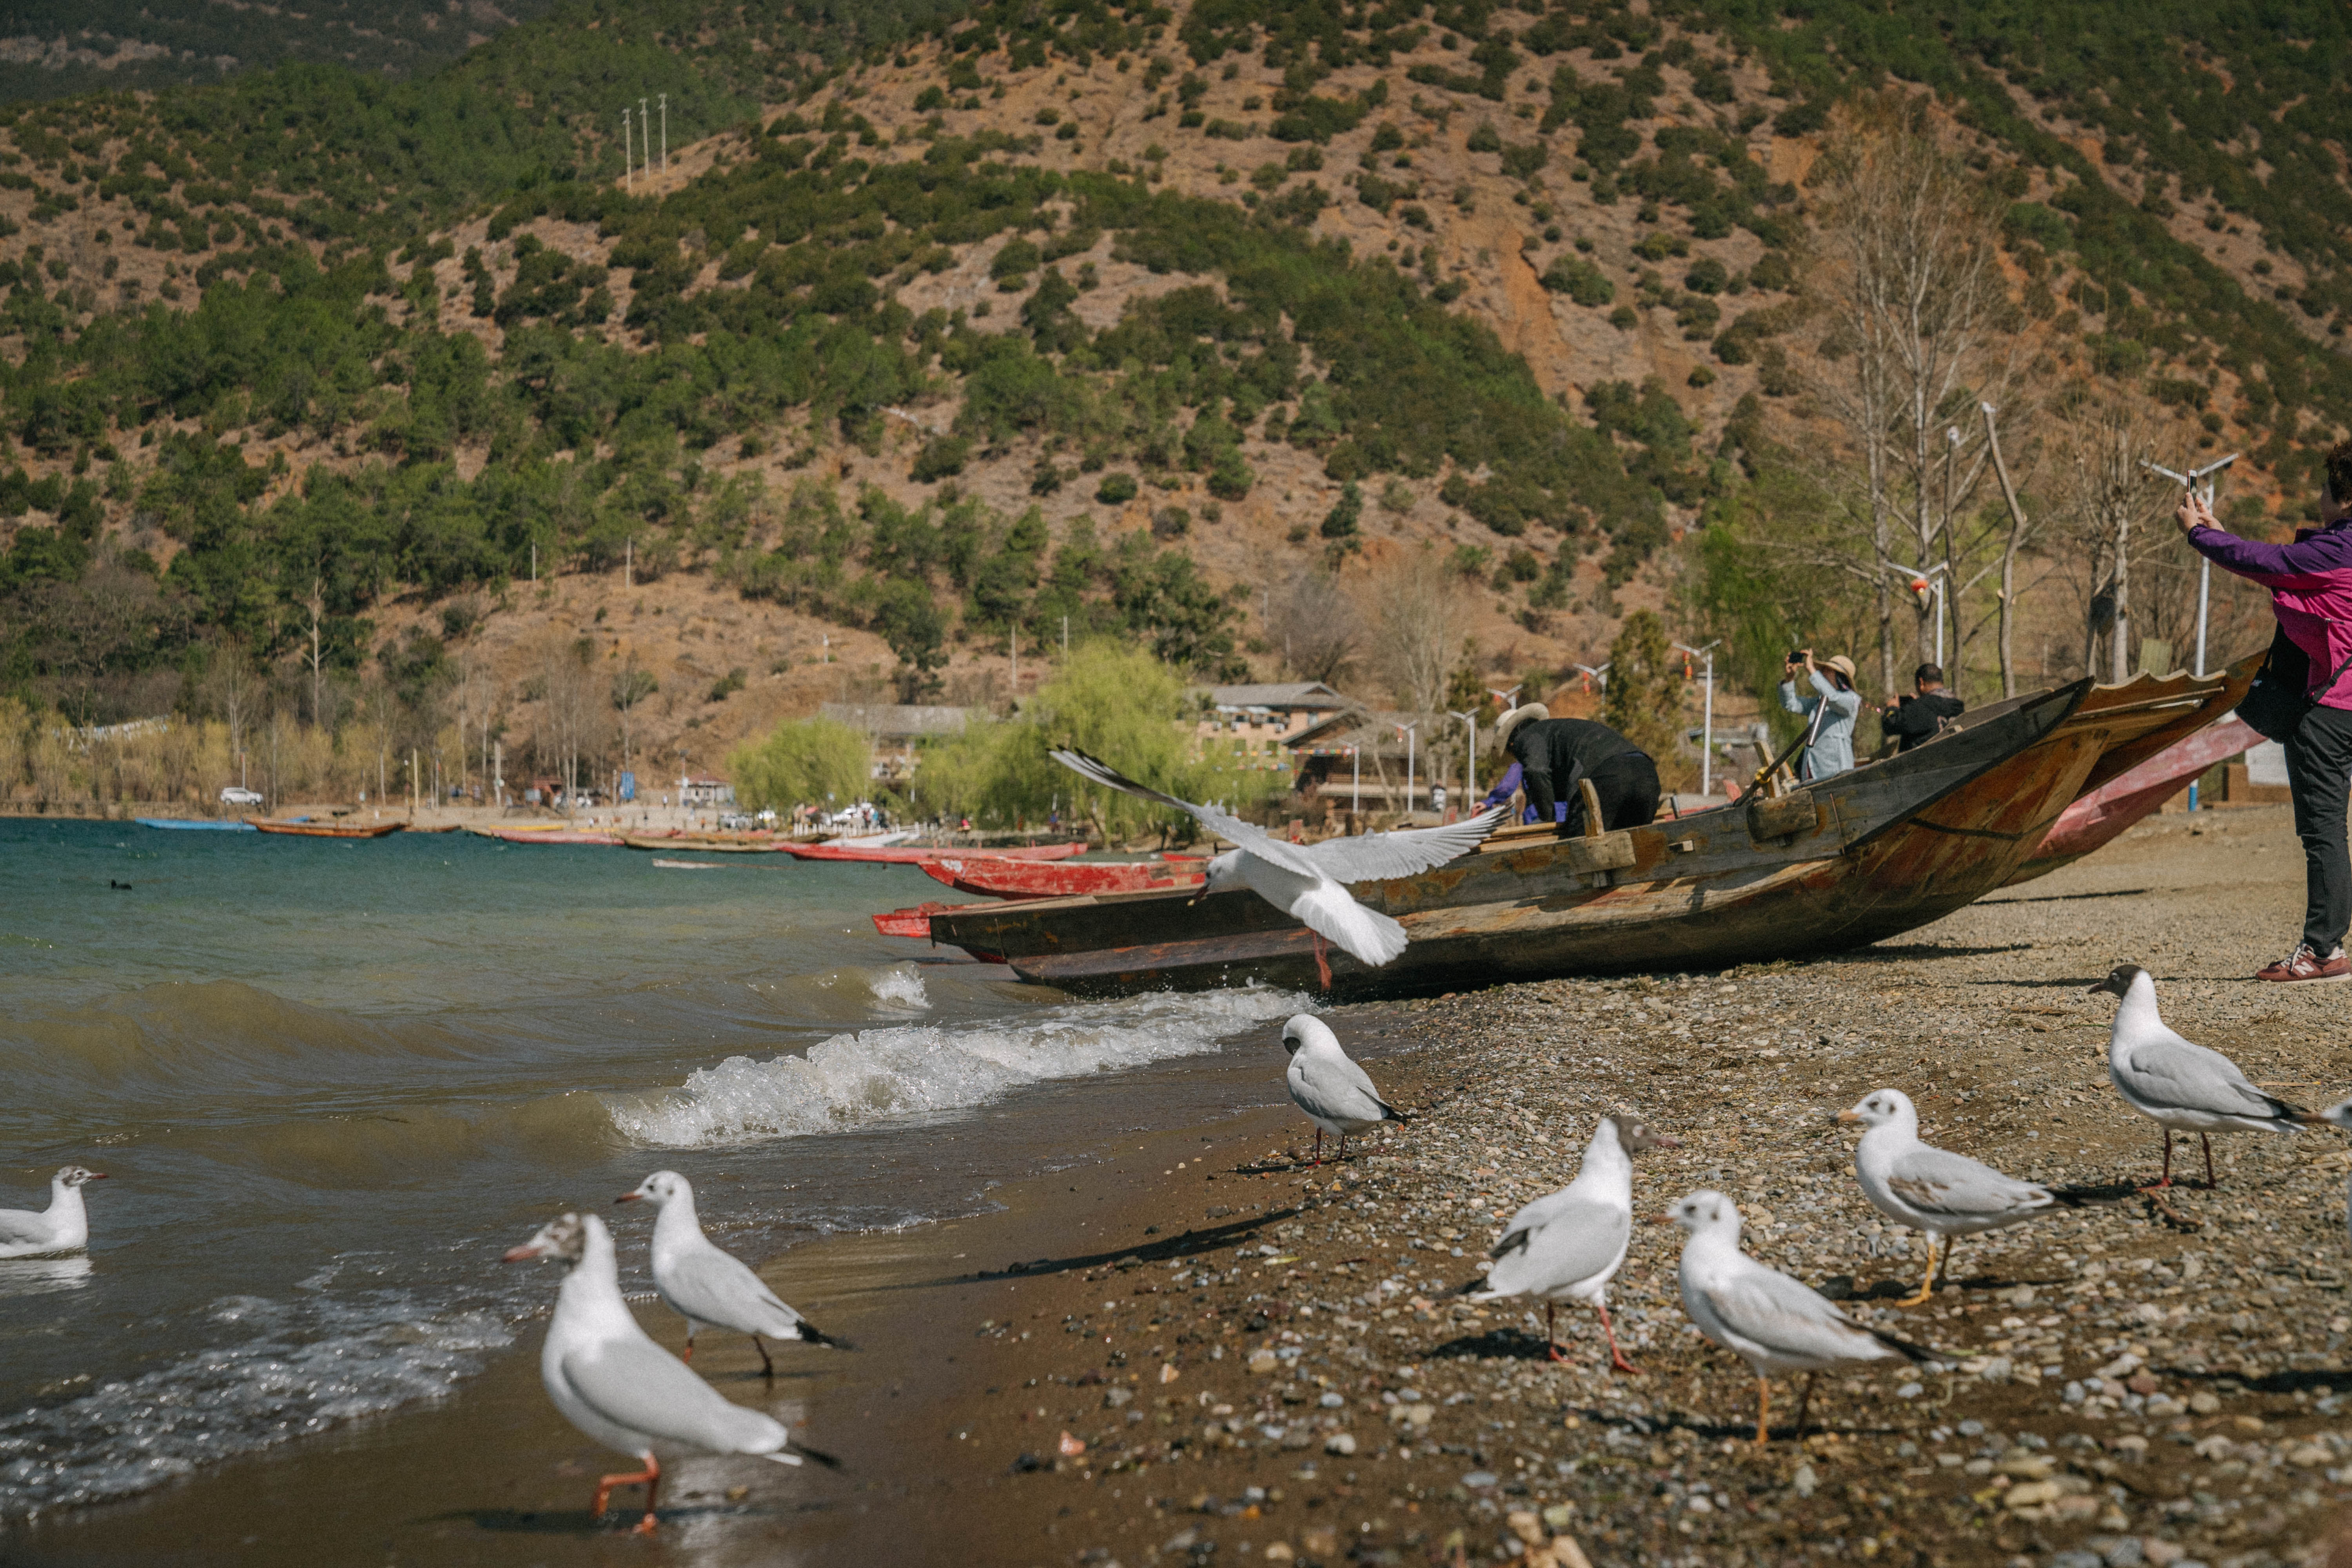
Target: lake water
[{"x": 329, "y": 1081}]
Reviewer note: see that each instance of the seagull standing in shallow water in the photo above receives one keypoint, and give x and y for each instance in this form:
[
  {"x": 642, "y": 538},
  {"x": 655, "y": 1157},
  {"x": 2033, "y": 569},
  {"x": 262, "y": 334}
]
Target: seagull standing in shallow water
[
  {"x": 1308, "y": 881},
  {"x": 706, "y": 1285},
  {"x": 63, "y": 1226},
  {"x": 1772, "y": 1322},
  {"x": 1930, "y": 1189},
  {"x": 1568, "y": 1246},
  {"x": 1325, "y": 1083},
  {"x": 610, "y": 1380},
  {"x": 2179, "y": 1085}
]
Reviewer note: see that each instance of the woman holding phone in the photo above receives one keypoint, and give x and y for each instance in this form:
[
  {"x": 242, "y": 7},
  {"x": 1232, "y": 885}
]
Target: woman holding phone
[
  {"x": 2311, "y": 593},
  {"x": 1829, "y": 710}
]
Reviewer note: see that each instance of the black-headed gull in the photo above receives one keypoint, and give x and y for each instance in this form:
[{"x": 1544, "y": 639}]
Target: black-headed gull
[
  {"x": 63, "y": 1226},
  {"x": 1930, "y": 1189},
  {"x": 1567, "y": 1247},
  {"x": 707, "y": 1285},
  {"x": 1774, "y": 1324},
  {"x": 1308, "y": 881},
  {"x": 2177, "y": 1084},
  {"x": 610, "y": 1380},
  {"x": 1325, "y": 1083}
]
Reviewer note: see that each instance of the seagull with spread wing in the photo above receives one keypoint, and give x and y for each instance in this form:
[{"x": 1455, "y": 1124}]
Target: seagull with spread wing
[{"x": 1308, "y": 881}]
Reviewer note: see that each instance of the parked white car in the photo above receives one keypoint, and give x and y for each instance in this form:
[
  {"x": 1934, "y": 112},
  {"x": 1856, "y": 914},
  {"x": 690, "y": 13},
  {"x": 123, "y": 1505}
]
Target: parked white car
[{"x": 237, "y": 794}]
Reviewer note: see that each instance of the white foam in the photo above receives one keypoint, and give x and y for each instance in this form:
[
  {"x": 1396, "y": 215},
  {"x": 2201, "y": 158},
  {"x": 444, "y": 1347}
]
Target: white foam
[
  {"x": 883, "y": 1074},
  {"x": 901, "y": 988}
]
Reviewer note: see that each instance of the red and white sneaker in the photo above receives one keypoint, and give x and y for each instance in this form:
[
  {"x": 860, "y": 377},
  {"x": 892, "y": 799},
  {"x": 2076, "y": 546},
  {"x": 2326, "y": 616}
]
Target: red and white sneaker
[{"x": 2304, "y": 967}]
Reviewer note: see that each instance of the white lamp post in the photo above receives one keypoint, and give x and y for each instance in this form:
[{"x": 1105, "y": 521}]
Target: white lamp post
[
  {"x": 1937, "y": 574},
  {"x": 1707, "y": 731},
  {"x": 1470, "y": 758},
  {"x": 1410, "y": 737},
  {"x": 2209, "y": 473}
]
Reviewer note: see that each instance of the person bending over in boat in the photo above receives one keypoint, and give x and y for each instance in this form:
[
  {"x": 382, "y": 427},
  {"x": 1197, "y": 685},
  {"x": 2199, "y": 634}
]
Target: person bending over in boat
[
  {"x": 1915, "y": 720},
  {"x": 1553, "y": 754},
  {"x": 1830, "y": 712}
]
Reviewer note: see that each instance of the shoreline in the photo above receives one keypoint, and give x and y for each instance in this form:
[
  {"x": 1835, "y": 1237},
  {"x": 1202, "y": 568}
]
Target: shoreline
[{"x": 1262, "y": 1359}]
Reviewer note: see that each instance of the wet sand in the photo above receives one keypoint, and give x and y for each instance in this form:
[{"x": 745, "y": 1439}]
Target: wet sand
[{"x": 1258, "y": 1360}]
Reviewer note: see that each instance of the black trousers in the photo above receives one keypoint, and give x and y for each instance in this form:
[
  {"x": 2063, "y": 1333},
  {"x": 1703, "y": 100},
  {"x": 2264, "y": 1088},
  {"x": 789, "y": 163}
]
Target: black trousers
[
  {"x": 2319, "y": 771},
  {"x": 1627, "y": 786}
]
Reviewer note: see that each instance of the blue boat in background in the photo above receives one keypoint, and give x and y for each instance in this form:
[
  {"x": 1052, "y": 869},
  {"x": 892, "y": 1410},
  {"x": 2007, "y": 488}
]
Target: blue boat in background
[{"x": 230, "y": 824}]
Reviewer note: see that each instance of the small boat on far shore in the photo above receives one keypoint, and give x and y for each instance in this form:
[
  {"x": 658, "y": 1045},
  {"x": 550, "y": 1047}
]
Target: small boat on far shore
[
  {"x": 197, "y": 823},
  {"x": 304, "y": 828},
  {"x": 547, "y": 835},
  {"x": 907, "y": 855}
]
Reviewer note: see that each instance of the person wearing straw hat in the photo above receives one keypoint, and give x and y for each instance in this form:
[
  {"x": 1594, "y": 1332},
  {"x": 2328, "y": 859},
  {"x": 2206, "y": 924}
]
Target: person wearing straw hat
[
  {"x": 1829, "y": 711},
  {"x": 1553, "y": 754}
]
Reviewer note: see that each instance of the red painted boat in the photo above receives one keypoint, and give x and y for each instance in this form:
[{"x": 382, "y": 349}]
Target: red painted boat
[
  {"x": 915, "y": 922},
  {"x": 1033, "y": 880},
  {"x": 2131, "y": 796},
  {"x": 904, "y": 855}
]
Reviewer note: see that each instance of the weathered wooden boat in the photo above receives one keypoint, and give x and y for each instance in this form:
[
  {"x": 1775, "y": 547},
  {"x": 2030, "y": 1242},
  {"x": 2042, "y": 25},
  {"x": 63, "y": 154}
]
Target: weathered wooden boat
[
  {"x": 1810, "y": 869},
  {"x": 908, "y": 855},
  {"x": 197, "y": 823},
  {"x": 995, "y": 876},
  {"x": 705, "y": 843},
  {"x": 2133, "y": 795},
  {"x": 302, "y": 829},
  {"x": 914, "y": 922}
]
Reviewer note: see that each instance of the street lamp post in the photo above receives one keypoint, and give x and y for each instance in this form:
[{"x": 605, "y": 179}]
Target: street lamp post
[
  {"x": 1469, "y": 758},
  {"x": 2211, "y": 475},
  {"x": 1407, "y": 731},
  {"x": 1592, "y": 674},
  {"x": 1707, "y": 731},
  {"x": 1937, "y": 575}
]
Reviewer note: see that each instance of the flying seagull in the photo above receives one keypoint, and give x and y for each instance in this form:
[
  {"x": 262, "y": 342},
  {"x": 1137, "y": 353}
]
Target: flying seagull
[
  {"x": 1326, "y": 1082},
  {"x": 1931, "y": 1189},
  {"x": 610, "y": 1380},
  {"x": 707, "y": 1285},
  {"x": 2179, "y": 1085},
  {"x": 63, "y": 1226},
  {"x": 1772, "y": 1322},
  {"x": 1567, "y": 1247},
  {"x": 1308, "y": 881}
]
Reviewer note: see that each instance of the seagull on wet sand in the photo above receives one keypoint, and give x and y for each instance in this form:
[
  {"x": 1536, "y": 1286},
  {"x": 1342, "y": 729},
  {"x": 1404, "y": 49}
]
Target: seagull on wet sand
[
  {"x": 610, "y": 1380},
  {"x": 1567, "y": 1247},
  {"x": 1774, "y": 1324},
  {"x": 1308, "y": 881},
  {"x": 1325, "y": 1083},
  {"x": 1931, "y": 1189},
  {"x": 707, "y": 1285},
  {"x": 63, "y": 1226},
  {"x": 2179, "y": 1085}
]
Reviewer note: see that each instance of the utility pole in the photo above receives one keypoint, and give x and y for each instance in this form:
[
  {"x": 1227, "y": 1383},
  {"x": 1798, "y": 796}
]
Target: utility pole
[
  {"x": 664, "y": 133},
  {"x": 1591, "y": 674},
  {"x": 2212, "y": 475},
  {"x": 1469, "y": 758},
  {"x": 1013, "y": 648},
  {"x": 625, "y": 148},
  {"x": 1066, "y": 636},
  {"x": 645, "y": 134},
  {"x": 1407, "y": 731},
  {"x": 1707, "y": 729},
  {"x": 534, "y": 559},
  {"x": 499, "y": 773},
  {"x": 629, "y": 561}
]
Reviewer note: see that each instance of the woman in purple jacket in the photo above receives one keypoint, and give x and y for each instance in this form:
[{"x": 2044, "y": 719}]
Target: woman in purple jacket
[{"x": 2311, "y": 592}]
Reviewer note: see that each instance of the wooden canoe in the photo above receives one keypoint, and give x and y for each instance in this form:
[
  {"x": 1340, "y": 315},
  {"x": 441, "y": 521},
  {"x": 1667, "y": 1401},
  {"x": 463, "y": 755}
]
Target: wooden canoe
[
  {"x": 547, "y": 835},
  {"x": 998, "y": 877},
  {"x": 1825, "y": 866},
  {"x": 327, "y": 829},
  {"x": 704, "y": 843},
  {"x": 904, "y": 855},
  {"x": 914, "y": 922}
]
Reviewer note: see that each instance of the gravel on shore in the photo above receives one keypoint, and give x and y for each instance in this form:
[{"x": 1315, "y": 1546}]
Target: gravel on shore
[{"x": 1279, "y": 1372}]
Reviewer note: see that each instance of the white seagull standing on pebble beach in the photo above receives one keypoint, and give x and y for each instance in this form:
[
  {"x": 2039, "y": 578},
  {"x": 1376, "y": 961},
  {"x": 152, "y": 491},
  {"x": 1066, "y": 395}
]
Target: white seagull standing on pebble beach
[
  {"x": 708, "y": 1286},
  {"x": 2177, "y": 1084},
  {"x": 1308, "y": 881},
  {"x": 63, "y": 1226},
  {"x": 610, "y": 1380},
  {"x": 1931, "y": 1189},
  {"x": 1760, "y": 1314},
  {"x": 1325, "y": 1083},
  {"x": 1568, "y": 1246}
]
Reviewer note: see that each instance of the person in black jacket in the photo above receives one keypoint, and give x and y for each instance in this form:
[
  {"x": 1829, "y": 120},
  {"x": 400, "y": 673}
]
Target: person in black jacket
[
  {"x": 1915, "y": 719},
  {"x": 1554, "y": 753}
]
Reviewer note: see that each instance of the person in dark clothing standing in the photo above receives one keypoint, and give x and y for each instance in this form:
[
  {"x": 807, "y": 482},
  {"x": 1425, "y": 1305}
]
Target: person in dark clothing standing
[
  {"x": 1554, "y": 753},
  {"x": 1915, "y": 719}
]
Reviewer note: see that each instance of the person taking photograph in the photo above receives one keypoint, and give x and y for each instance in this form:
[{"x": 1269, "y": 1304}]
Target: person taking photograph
[
  {"x": 1830, "y": 711},
  {"x": 1913, "y": 721}
]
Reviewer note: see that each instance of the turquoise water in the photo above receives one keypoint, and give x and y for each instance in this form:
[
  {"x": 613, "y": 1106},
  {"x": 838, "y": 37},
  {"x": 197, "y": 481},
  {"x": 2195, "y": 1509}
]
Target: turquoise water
[{"x": 330, "y": 1080}]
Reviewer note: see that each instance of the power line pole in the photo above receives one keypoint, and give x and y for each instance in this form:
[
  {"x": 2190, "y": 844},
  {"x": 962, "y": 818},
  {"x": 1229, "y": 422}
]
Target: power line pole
[
  {"x": 664, "y": 133},
  {"x": 626, "y": 147},
  {"x": 645, "y": 133}
]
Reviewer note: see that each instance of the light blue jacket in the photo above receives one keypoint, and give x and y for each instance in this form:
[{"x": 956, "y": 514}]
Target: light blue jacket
[{"x": 1831, "y": 752}]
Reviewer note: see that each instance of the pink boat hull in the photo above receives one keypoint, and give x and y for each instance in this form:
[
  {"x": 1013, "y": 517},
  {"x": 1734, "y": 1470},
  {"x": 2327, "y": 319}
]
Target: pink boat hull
[{"x": 2131, "y": 796}]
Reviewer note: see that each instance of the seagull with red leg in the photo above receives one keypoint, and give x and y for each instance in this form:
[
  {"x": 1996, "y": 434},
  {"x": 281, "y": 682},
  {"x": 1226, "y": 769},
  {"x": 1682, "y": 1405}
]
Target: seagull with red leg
[
  {"x": 1325, "y": 1083},
  {"x": 1568, "y": 1246},
  {"x": 609, "y": 1378},
  {"x": 2177, "y": 1084},
  {"x": 1308, "y": 881}
]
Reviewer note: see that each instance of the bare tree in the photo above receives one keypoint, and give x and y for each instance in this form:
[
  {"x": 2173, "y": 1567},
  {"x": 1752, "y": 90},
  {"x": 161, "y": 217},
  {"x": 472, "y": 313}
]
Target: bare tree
[
  {"x": 235, "y": 691},
  {"x": 1320, "y": 637},
  {"x": 570, "y": 709},
  {"x": 1908, "y": 274},
  {"x": 631, "y": 686},
  {"x": 1417, "y": 631},
  {"x": 2109, "y": 490}
]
